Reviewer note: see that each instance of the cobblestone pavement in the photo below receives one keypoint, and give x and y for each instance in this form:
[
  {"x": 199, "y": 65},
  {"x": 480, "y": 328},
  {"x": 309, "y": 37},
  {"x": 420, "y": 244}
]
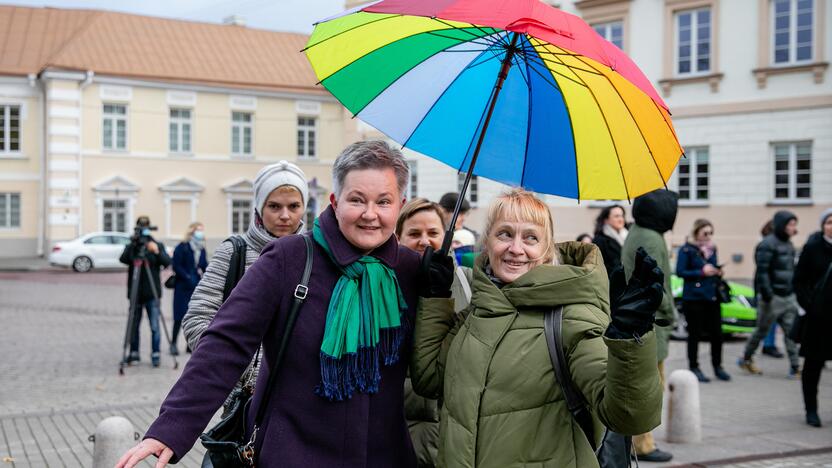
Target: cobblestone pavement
[{"x": 61, "y": 345}]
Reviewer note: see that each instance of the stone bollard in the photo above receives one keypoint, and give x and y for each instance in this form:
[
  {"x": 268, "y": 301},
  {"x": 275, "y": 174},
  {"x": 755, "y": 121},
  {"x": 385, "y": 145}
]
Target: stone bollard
[
  {"x": 113, "y": 437},
  {"x": 684, "y": 421}
]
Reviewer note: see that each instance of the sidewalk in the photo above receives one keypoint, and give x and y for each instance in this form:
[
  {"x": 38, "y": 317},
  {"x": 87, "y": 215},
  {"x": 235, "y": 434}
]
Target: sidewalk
[{"x": 24, "y": 263}]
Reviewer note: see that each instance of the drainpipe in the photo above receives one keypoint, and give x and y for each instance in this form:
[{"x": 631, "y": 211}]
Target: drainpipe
[{"x": 35, "y": 82}]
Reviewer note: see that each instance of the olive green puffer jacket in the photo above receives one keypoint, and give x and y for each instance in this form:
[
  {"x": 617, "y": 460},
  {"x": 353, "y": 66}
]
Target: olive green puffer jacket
[{"x": 502, "y": 404}]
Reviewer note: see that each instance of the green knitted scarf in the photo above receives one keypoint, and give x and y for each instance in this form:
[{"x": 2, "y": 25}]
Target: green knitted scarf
[{"x": 363, "y": 323}]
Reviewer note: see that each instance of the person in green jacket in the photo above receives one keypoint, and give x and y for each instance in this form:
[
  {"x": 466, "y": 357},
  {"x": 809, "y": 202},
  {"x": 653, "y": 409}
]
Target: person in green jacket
[
  {"x": 502, "y": 406},
  {"x": 654, "y": 214}
]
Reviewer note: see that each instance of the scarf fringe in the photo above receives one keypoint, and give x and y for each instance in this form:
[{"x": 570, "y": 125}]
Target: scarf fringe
[{"x": 359, "y": 371}]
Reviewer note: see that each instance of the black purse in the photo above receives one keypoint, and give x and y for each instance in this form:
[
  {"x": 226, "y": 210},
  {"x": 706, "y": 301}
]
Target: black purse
[
  {"x": 615, "y": 450},
  {"x": 225, "y": 443},
  {"x": 723, "y": 291},
  {"x": 170, "y": 283}
]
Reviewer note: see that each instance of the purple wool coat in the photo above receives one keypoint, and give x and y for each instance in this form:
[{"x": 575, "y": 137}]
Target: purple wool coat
[{"x": 300, "y": 428}]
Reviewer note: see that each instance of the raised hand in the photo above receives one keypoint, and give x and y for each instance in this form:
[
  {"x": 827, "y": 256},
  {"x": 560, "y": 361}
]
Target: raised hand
[
  {"x": 436, "y": 274},
  {"x": 634, "y": 304}
]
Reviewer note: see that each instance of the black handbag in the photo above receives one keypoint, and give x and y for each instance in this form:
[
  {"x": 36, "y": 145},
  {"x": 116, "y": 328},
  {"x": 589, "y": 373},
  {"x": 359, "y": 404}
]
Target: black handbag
[
  {"x": 723, "y": 291},
  {"x": 170, "y": 283},
  {"x": 225, "y": 443},
  {"x": 615, "y": 450}
]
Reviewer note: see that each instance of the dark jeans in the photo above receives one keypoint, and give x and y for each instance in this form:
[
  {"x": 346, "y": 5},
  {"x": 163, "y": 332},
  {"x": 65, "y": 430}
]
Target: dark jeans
[
  {"x": 177, "y": 324},
  {"x": 810, "y": 378},
  {"x": 152, "y": 307},
  {"x": 704, "y": 318}
]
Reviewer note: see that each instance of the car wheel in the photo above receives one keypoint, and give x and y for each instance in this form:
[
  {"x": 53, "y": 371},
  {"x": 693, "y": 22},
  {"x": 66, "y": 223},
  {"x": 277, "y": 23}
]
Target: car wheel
[{"x": 82, "y": 264}]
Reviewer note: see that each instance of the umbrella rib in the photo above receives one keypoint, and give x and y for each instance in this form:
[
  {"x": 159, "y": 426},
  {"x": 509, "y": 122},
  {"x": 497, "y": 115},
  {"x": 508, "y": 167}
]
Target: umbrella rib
[
  {"x": 434, "y": 33},
  {"x": 348, "y": 30},
  {"x": 633, "y": 118},
  {"x": 397, "y": 79},
  {"x": 557, "y": 55},
  {"x": 612, "y": 139},
  {"x": 528, "y": 125},
  {"x": 555, "y": 72},
  {"x": 474, "y": 136}
]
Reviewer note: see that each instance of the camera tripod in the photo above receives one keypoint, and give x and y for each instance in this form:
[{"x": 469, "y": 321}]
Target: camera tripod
[{"x": 140, "y": 264}]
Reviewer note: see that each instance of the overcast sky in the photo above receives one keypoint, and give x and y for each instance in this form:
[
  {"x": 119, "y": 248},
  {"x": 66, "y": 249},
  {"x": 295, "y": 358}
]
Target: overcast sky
[{"x": 280, "y": 15}]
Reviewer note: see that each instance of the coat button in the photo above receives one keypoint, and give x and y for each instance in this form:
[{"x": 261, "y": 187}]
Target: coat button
[{"x": 698, "y": 285}]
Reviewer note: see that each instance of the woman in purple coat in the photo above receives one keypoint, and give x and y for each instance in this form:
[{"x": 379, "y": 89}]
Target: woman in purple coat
[{"x": 315, "y": 416}]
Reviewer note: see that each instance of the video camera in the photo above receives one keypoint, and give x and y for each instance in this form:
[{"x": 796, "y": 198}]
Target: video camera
[{"x": 141, "y": 233}]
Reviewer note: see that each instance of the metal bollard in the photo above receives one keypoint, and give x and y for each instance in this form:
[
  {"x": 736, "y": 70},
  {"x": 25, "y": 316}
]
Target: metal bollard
[
  {"x": 113, "y": 437},
  {"x": 684, "y": 420}
]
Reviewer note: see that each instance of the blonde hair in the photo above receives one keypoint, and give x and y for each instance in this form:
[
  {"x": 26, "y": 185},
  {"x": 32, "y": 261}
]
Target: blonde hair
[
  {"x": 522, "y": 206},
  {"x": 191, "y": 229},
  {"x": 288, "y": 189},
  {"x": 417, "y": 205}
]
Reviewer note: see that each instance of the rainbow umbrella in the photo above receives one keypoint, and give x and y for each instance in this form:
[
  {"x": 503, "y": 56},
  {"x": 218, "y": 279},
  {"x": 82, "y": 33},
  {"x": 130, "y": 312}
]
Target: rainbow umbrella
[{"x": 512, "y": 90}]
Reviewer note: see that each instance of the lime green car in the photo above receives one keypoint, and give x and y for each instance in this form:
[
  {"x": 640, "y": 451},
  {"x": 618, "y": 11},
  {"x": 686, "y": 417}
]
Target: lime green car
[{"x": 738, "y": 316}]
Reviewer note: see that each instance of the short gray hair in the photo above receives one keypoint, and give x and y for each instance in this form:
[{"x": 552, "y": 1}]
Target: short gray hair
[{"x": 375, "y": 154}]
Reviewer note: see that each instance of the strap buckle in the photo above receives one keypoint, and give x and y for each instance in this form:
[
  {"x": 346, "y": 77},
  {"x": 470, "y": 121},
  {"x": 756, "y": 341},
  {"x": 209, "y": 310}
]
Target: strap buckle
[{"x": 301, "y": 291}]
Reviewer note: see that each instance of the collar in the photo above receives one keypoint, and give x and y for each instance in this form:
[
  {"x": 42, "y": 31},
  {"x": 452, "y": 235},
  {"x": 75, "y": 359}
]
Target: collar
[{"x": 345, "y": 253}]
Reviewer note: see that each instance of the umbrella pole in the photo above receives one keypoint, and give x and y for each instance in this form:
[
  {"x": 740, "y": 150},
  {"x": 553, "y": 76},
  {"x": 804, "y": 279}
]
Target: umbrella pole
[{"x": 498, "y": 86}]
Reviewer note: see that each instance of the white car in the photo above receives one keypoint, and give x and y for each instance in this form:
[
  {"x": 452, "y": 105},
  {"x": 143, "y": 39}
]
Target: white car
[{"x": 94, "y": 250}]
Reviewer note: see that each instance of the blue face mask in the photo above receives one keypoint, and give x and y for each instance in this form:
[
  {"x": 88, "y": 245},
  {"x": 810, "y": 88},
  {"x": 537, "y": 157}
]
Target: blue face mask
[
  {"x": 199, "y": 235},
  {"x": 146, "y": 232}
]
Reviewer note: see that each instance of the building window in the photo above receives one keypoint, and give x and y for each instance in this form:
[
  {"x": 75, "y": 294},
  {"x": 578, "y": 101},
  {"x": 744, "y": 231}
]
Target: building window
[
  {"x": 473, "y": 194},
  {"x": 694, "y": 171},
  {"x": 9, "y": 129},
  {"x": 792, "y": 26},
  {"x": 115, "y": 126},
  {"x": 612, "y": 31},
  {"x": 9, "y": 210},
  {"x": 412, "y": 187},
  {"x": 693, "y": 41},
  {"x": 114, "y": 215},
  {"x": 240, "y": 216},
  {"x": 306, "y": 137},
  {"x": 180, "y": 131},
  {"x": 793, "y": 171},
  {"x": 241, "y": 130}
]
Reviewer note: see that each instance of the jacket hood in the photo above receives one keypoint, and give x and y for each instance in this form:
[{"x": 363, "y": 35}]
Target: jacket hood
[
  {"x": 781, "y": 219},
  {"x": 580, "y": 278},
  {"x": 656, "y": 210}
]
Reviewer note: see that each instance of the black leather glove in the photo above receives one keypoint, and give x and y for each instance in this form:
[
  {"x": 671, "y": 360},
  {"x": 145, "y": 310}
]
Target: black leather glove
[
  {"x": 634, "y": 304},
  {"x": 436, "y": 274}
]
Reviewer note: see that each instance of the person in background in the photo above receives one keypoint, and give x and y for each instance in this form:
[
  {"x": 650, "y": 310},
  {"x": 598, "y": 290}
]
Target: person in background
[
  {"x": 447, "y": 203},
  {"x": 280, "y": 194},
  {"x": 654, "y": 214},
  {"x": 462, "y": 243},
  {"x": 189, "y": 264},
  {"x": 698, "y": 266},
  {"x": 610, "y": 234},
  {"x": 776, "y": 301},
  {"x": 770, "y": 343},
  {"x": 584, "y": 238},
  {"x": 813, "y": 287},
  {"x": 420, "y": 226},
  {"x": 502, "y": 405},
  {"x": 143, "y": 245}
]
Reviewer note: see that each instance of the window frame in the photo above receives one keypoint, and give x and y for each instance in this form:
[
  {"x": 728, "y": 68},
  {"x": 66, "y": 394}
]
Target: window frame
[
  {"x": 180, "y": 123},
  {"x": 412, "y": 179},
  {"x": 114, "y": 211},
  {"x": 243, "y": 125},
  {"x": 792, "y": 45},
  {"x": 692, "y": 160},
  {"x": 473, "y": 193},
  {"x": 6, "y": 221},
  {"x": 5, "y": 145},
  {"x": 608, "y": 25},
  {"x": 243, "y": 214},
  {"x": 307, "y": 129},
  {"x": 694, "y": 41},
  {"x": 114, "y": 129},
  {"x": 792, "y": 173}
]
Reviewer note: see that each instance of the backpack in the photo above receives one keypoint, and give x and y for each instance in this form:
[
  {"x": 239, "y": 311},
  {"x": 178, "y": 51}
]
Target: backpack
[
  {"x": 615, "y": 450},
  {"x": 236, "y": 266}
]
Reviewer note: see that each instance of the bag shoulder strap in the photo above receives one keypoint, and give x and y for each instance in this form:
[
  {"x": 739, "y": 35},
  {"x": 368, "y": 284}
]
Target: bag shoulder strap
[
  {"x": 300, "y": 293},
  {"x": 236, "y": 266},
  {"x": 552, "y": 328}
]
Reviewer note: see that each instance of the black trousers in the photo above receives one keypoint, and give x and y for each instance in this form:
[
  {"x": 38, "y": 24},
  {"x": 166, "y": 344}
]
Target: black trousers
[
  {"x": 704, "y": 318},
  {"x": 810, "y": 378}
]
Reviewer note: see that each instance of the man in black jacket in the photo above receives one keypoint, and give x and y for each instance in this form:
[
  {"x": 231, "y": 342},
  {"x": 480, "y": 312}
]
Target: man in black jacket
[
  {"x": 776, "y": 301},
  {"x": 145, "y": 251}
]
